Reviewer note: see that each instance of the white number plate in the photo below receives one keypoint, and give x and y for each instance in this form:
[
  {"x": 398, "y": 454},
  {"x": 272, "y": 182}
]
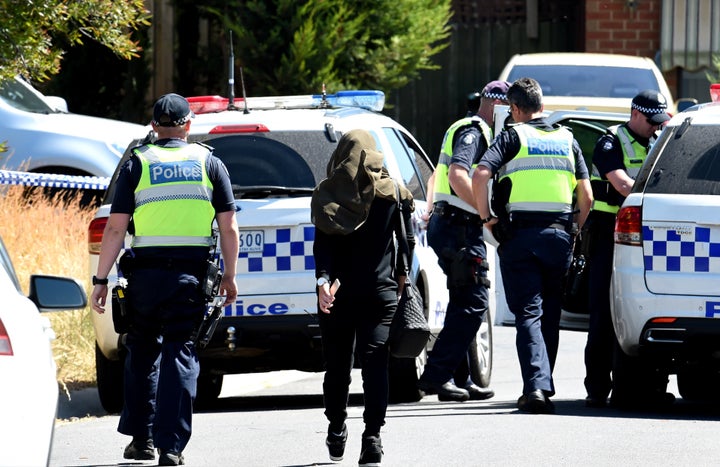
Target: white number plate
[{"x": 252, "y": 241}]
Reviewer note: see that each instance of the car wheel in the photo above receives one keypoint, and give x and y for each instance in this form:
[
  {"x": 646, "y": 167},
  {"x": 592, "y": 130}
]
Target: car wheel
[
  {"x": 637, "y": 381},
  {"x": 481, "y": 353},
  {"x": 209, "y": 386},
  {"x": 403, "y": 378},
  {"x": 110, "y": 377},
  {"x": 698, "y": 383}
]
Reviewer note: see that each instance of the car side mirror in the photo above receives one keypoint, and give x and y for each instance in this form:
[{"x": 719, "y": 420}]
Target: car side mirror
[
  {"x": 685, "y": 103},
  {"x": 56, "y": 293},
  {"x": 57, "y": 103}
]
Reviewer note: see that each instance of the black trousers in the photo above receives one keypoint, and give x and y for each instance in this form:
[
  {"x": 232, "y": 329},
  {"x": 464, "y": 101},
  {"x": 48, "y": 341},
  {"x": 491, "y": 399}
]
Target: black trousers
[
  {"x": 601, "y": 335},
  {"x": 357, "y": 325}
]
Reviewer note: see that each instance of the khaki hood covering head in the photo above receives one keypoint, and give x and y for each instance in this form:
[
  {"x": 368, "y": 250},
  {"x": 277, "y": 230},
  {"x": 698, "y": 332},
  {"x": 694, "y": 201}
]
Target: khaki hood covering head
[{"x": 355, "y": 176}]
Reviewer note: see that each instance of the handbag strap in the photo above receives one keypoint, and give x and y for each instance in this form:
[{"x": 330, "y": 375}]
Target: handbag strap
[{"x": 402, "y": 241}]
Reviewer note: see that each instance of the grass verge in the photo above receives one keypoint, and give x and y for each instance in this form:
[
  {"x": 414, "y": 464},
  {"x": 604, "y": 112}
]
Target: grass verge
[{"x": 49, "y": 236}]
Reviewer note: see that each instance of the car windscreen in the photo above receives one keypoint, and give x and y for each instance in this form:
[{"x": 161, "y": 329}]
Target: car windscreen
[
  {"x": 292, "y": 159},
  {"x": 685, "y": 161},
  {"x": 21, "y": 97},
  {"x": 588, "y": 81}
]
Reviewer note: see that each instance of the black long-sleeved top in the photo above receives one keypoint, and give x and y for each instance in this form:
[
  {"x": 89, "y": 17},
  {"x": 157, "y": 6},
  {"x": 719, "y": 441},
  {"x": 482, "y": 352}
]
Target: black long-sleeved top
[{"x": 363, "y": 260}]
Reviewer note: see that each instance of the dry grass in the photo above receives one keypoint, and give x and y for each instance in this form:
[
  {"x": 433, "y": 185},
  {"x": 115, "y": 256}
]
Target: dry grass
[{"x": 49, "y": 236}]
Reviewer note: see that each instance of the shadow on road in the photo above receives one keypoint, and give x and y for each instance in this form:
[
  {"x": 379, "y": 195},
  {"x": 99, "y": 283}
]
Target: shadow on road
[{"x": 86, "y": 403}]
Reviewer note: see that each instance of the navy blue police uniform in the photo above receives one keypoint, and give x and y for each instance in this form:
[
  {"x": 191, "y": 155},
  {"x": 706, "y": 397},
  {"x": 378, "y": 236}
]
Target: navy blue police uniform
[
  {"x": 620, "y": 148},
  {"x": 167, "y": 303},
  {"x": 535, "y": 253},
  {"x": 607, "y": 157},
  {"x": 456, "y": 236}
]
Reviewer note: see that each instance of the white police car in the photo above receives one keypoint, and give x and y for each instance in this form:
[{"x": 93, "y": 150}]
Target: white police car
[
  {"x": 37, "y": 134},
  {"x": 666, "y": 279},
  {"x": 276, "y": 153},
  {"x": 29, "y": 389}
]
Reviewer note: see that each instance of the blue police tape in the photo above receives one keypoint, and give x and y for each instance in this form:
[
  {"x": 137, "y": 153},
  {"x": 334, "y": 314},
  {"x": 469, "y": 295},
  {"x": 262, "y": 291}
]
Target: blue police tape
[{"x": 9, "y": 177}]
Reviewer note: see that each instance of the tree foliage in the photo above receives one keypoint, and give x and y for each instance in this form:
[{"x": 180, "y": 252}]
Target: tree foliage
[
  {"x": 714, "y": 75},
  {"x": 35, "y": 33},
  {"x": 294, "y": 47}
]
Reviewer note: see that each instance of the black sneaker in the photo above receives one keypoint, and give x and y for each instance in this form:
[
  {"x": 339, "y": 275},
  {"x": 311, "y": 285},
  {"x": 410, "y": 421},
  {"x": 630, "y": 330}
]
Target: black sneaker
[
  {"x": 371, "y": 452},
  {"x": 140, "y": 449},
  {"x": 336, "y": 443},
  {"x": 170, "y": 458}
]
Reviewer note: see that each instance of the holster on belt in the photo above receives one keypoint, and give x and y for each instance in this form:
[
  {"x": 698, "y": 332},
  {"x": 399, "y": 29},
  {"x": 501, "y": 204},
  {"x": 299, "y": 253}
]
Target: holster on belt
[
  {"x": 120, "y": 308},
  {"x": 604, "y": 191},
  {"x": 465, "y": 268}
]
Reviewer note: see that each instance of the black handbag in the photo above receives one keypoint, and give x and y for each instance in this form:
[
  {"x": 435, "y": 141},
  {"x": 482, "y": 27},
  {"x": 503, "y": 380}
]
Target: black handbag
[{"x": 409, "y": 330}]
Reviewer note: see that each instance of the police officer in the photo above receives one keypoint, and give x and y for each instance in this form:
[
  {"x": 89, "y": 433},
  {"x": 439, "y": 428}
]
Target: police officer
[
  {"x": 171, "y": 191},
  {"x": 617, "y": 158},
  {"x": 539, "y": 167},
  {"x": 455, "y": 233}
]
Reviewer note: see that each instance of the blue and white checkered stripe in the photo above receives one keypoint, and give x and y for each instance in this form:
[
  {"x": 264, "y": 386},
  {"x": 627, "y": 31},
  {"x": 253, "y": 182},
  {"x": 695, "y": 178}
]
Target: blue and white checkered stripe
[
  {"x": 9, "y": 177},
  {"x": 694, "y": 249},
  {"x": 285, "y": 249}
]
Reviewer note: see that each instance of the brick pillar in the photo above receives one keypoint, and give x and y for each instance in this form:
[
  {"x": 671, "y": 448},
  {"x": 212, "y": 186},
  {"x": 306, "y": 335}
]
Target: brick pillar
[{"x": 630, "y": 27}]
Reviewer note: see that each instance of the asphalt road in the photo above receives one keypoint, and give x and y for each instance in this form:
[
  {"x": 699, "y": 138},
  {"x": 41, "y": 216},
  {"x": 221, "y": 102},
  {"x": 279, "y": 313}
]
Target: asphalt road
[{"x": 276, "y": 419}]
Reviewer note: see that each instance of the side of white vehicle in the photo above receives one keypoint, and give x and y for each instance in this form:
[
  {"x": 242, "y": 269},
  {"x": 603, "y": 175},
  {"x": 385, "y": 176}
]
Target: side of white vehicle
[
  {"x": 665, "y": 298},
  {"x": 273, "y": 323},
  {"x": 29, "y": 393}
]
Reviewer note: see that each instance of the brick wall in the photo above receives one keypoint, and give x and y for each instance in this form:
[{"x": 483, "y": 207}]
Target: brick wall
[{"x": 614, "y": 26}]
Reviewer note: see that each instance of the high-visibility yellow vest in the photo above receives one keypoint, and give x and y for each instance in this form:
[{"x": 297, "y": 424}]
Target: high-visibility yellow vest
[
  {"x": 173, "y": 198},
  {"x": 634, "y": 155},
  {"x": 442, "y": 191},
  {"x": 542, "y": 174}
]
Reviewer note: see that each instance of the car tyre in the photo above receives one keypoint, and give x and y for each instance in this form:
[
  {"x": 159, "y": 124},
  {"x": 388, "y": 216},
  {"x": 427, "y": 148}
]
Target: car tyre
[
  {"x": 209, "y": 386},
  {"x": 481, "y": 353},
  {"x": 698, "y": 383},
  {"x": 637, "y": 382},
  {"x": 404, "y": 374},
  {"x": 110, "y": 378}
]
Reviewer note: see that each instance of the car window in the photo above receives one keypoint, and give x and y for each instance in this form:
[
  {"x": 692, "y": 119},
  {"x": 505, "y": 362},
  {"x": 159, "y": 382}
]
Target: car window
[
  {"x": 259, "y": 160},
  {"x": 685, "y": 160},
  {"x": 21, "y": 97},
  {"x": 590, "y": 81},
  {"x": 587, "y": 132},
  {"x": 414, "y": 168}
]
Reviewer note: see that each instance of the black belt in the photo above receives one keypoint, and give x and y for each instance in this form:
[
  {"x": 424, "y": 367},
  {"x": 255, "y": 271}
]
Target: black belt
[
  {"x": 444, "y": 209},
  {"x": 175, "y": 264},
  {"x": 538, "y": 225}
]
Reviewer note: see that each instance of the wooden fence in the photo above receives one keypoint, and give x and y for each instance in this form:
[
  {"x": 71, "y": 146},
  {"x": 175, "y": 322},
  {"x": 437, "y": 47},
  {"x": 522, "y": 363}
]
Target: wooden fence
[{"x": 476, "y": 55}]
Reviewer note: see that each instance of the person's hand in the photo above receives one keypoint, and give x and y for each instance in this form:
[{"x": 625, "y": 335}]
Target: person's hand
[
  {"x": 401, "y": 285},
  {"x": 325, "y": 298},
  {"x": 228, "y": 288},
  {"x": 99, "y": 297},
  {"x": 491, "y": 222}
]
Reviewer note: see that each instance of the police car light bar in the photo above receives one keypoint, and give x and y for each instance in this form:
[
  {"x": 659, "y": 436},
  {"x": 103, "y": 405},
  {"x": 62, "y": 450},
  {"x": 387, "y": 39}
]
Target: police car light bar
[{"x": 366, "y": 99}]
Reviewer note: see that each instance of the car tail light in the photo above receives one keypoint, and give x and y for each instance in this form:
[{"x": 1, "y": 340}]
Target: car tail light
[
  {"x": 95, "y": 234},
  {"x": 715, "y": 92},
  {"x": 5, "y": 345},
  {"x": 663, "y": 320},
  {"x": 246, "y": 128},
  {"x": 628, "y": 226}
]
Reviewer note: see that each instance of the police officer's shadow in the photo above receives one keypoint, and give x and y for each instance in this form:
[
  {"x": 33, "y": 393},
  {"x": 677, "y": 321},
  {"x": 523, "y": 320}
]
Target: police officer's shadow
[
  {"x": 259, "y": 402},
  {"x": 679, "y": 410}
]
